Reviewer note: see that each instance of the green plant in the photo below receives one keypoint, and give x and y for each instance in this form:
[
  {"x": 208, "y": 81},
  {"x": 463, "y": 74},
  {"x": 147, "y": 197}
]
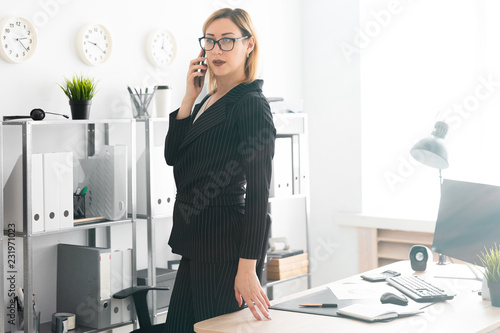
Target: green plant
[
  {"x": 490, "y": 260},
  {"x": 79, "y": 88}
]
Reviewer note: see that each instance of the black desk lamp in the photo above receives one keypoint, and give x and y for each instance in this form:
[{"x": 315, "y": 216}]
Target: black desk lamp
[{"x": 432, "y": 152}]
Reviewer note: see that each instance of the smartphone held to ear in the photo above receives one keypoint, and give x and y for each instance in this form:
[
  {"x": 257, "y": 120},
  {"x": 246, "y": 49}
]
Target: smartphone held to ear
[{"x": 201, "y": 63}]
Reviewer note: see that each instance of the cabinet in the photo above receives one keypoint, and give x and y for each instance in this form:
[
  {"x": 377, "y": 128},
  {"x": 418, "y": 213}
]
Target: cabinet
[
  {"x": 289, "y": 195},
  {"x": 35, "y": 248},
  {"x": 379, "y": 246}
]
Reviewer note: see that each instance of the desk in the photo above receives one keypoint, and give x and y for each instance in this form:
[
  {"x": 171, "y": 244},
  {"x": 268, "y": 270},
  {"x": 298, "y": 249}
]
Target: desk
[{"x": 467, "y": 312}]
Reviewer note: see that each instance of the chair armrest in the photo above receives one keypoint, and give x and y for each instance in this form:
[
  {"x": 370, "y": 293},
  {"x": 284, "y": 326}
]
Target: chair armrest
[
  {"x": 134, "y": 290},
  {"x": 140, "y": 302}
]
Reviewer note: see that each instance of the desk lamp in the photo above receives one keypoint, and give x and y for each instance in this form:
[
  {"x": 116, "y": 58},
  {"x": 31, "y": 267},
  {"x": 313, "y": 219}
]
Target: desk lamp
[{"x": 432, "y": 152}]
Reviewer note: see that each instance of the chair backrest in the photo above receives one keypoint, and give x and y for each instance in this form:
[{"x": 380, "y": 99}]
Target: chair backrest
[
  {"x": 261, "y": 267},
  {"x": 139, "y": 293}
]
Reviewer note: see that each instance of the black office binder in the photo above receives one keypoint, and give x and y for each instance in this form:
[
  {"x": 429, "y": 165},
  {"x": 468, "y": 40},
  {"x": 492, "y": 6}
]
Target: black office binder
[{"x": 83, "y": 284}]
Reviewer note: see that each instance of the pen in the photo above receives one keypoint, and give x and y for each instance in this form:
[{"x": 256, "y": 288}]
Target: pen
[
  {"x": 84, "y": 191},
  {"x": 324, "y": 305}
]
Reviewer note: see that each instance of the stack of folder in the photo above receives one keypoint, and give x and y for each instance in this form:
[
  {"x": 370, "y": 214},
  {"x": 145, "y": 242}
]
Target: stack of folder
[
  {"x": 51, "y": 193},
  {"x": 87, "y": 278},
  {"x": 287, "y": 267}
]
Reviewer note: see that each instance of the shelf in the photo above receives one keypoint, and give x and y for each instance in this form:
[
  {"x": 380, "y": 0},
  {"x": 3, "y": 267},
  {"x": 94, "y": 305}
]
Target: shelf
[
  {"x": 85, "y": 227},
  {"x": 47, "y": 328},
  {"x": 75, "y": 228},
  {"x": 67, "y": 122},
  {"x": 379, "y": 246},
  {"x": 409, "y": 237},
  {"x": 156, "y": 217},
  {"x": 288, "y": 197},
  {"x": 271, "y": 283},
  {"x": 83, "y": 139}
]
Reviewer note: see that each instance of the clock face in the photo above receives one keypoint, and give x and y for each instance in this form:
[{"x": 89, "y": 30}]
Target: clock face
[
  {"x": 94, "y": 44},
  {"x": 161, "y": 48},
  {"x": 19, "y": 39}
]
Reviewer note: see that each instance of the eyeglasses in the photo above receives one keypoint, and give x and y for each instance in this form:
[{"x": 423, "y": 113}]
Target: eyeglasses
[{"x": 225, "y": 44}]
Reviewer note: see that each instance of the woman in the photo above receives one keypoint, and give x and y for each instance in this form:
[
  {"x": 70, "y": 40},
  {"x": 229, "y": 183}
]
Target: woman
[{"x": 221, "y": 153}]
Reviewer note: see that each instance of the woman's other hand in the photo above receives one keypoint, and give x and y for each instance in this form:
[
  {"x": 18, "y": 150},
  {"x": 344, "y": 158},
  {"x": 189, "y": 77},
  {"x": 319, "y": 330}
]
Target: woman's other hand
[{"x": 247, "y": 288}]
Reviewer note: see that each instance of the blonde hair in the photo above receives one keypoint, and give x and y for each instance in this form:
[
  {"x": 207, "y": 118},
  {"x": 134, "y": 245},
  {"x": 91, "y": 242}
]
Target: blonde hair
[{"x": 243, "y": 21}]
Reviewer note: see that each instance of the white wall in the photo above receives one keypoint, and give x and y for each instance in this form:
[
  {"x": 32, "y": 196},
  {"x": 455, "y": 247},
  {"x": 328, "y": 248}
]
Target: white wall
[
  {"x": 428, "y": 61},
  {"x": 34, "y": 84},
  {"x": 332, "y": 100}
]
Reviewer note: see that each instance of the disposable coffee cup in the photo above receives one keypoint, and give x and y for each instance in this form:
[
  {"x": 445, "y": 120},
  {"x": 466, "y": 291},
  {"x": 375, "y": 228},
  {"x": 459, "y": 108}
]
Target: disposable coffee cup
[{"x": 162, "y": 100}]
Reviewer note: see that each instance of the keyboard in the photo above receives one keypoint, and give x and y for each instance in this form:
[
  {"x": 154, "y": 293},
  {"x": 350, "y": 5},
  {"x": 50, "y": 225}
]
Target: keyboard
[{"x": 418, "y": 289}]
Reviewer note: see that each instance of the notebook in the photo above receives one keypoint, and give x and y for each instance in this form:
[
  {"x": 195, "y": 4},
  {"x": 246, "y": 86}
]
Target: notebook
[{"x": 377, "y": 312}]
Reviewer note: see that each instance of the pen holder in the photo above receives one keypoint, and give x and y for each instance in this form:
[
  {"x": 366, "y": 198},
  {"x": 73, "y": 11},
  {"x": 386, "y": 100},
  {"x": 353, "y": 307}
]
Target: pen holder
[
  {"x": 140, "y": 104},
  {"x": 78, "y": 206}
]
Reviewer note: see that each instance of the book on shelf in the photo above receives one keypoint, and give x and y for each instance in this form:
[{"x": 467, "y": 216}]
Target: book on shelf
[
  {"x": 283, "y": 268},
  {"x": 377, "y": 312},
  {"x": 283, "y": 253}
]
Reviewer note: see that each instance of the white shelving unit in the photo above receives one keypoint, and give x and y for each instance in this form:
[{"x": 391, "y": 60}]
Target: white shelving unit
[
  {"x": 156, "y": 193},
  {"x": 289, "y": 200},
  {"x": 2, "y": 292},
  {"x": 288, "y": 207},
  {"x": 84, "y": 138}
]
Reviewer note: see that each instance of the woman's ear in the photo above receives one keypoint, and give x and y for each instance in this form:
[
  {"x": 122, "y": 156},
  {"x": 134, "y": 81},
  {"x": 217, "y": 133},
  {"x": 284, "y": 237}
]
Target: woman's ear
[{"x": 250, "y": 44}]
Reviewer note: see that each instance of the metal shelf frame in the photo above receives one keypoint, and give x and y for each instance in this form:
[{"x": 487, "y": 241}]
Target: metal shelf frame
[
  {"x": 27, "y": 234},
  {"x": 295, "y": 126},
  {"x": 2, "y": 292},
  {"x": 149, "y": 136}
]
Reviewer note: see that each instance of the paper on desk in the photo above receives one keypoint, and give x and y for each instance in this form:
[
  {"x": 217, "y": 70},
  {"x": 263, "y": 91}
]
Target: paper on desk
[{"x": 360, "y": 290}]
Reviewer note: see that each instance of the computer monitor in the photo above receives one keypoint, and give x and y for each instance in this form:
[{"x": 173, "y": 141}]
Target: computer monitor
[{"x": 468, "y": 220}]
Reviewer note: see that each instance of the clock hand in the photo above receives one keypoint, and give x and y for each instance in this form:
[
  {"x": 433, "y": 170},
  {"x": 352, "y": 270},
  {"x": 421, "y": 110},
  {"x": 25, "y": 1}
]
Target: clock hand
[
  {"x": 18, "y": 39},
  {"x": 97, "y": 45}
]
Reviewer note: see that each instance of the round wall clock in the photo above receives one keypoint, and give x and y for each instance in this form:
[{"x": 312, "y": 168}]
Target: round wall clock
[
  {"x": 19, "y": 39},
  {"x": 94, "y": 44},
  {"x": 161, "y": 48}
]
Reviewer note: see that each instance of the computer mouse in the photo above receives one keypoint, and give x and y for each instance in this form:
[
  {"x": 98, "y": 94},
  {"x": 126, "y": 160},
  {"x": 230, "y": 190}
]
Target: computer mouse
[{"x": 394, "y": 299}]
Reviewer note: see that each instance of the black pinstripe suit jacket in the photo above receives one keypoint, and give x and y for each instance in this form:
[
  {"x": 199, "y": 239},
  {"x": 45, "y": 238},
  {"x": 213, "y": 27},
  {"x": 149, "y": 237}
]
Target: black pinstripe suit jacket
[{"x": 222, "y": 168}]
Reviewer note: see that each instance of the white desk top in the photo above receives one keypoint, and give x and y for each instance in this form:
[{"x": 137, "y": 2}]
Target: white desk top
[{"x": 467, "y": 312}]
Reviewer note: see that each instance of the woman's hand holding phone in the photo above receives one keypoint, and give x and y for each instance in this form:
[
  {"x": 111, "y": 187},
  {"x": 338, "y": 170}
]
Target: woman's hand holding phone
[
  {"x": 201, "y": 78},
  {"x": 196, "y": 74},
  {"x": 195, "y": 78}
]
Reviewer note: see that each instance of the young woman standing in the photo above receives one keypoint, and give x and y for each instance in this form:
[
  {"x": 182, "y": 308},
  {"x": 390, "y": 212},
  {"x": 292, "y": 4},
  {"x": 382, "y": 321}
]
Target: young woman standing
[{"x": 221, "y": 150}]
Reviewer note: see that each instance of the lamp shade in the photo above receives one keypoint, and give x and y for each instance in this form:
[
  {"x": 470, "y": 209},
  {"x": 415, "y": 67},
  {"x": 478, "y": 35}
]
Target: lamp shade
[{"x": 431, "y": 150}]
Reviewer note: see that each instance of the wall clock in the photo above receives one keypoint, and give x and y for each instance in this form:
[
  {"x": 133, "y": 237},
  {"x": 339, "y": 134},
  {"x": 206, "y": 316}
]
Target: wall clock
[
  {"x": 94, "y": 44},
  {"x": 19, "y": 39},
  {"x": 161, "y": 48}
]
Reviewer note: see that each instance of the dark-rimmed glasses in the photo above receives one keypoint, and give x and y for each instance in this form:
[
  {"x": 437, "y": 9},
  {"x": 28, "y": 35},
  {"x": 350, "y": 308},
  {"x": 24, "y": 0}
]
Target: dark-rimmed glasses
[{"x": 225, "y": 44}]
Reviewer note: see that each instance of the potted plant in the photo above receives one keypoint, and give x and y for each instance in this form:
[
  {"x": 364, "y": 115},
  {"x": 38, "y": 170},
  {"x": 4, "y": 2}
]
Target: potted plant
[
  {"x": 490, "y": 260},
  {"x": 80, "y": 91}
]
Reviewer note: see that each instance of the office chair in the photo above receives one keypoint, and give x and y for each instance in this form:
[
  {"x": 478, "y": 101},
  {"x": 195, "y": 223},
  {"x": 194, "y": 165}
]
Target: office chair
[
  {"x": 139, "y": 294},
  {"x": 261, "y": 263}
]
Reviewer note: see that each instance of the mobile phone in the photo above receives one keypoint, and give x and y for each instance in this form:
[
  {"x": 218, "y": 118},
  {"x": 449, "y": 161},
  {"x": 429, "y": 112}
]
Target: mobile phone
[
  {"x": 375, "y": 277},
  {"x": 201, "y": 63}
]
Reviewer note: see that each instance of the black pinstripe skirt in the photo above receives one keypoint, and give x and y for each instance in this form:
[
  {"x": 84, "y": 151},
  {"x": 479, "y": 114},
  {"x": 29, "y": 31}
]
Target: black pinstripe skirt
[
  {"x": 201, "y": 291},
  {"x": 211, "y": 233}
]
